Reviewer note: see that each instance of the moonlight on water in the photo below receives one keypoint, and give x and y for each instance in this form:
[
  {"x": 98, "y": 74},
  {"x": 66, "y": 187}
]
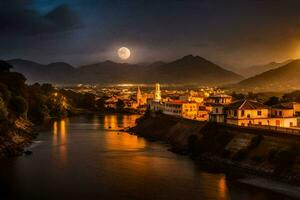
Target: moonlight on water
[{"x": 124, "y": 53}]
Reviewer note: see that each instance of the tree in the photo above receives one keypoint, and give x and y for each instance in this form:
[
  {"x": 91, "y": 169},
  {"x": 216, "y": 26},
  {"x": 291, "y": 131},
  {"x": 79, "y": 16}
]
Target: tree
[
  {"x": 252, "y": 95},
  {"x": 88, "y": 101},
  {"x": 120, "y": 105},
  {"x": 4, "y": 93},
  {"x": 100, "y": 104},
  {"x": 4, "y": 66},
  {"x": 238, "y": 96},
  {"x": 19, "y": 106},
  {"x": 15, "y": 82},
  {"x": 47, "y": 88},
  {"x": 272, "y": 101}
]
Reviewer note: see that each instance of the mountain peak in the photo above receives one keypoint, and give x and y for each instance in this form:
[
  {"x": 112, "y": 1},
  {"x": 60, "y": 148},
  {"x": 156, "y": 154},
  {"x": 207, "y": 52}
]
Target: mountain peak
[
  {"x": 108, "y": 62},
  {"x": 191, "y": 59}
]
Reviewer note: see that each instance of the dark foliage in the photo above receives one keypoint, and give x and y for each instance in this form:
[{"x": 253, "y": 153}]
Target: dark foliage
[
  {"x": 272, "y": 101},
  {"x": 4, "y": 66},
  {"x": 19, "y": 106},
  {"x": 120, "y": 105}
]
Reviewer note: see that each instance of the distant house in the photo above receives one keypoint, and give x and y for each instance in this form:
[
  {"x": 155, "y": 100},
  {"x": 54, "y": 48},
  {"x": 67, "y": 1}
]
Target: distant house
[
  {"x": 250, "y": 113},
  {"x": 216, "y": 104},
  {"x": 219, "y": 99},
  {"x": 192, "y": 96},
  {"x": 203, "y": 113},
  {"x": 217, "y": 112},
  {"x": 183, "y": 109},
  {"x": 247, "y": 112},
  {"x": 283, "y": 115},
  {"x": 178, "y": 108}
]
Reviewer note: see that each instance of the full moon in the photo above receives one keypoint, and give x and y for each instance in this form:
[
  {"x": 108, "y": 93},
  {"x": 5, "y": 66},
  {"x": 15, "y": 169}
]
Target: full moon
[{"x": 124, "y": 53}]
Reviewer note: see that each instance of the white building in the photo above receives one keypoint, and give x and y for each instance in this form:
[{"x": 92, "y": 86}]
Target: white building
[
  {"x": 157, "y": 95},
  {"x": 250, "y": 112}
]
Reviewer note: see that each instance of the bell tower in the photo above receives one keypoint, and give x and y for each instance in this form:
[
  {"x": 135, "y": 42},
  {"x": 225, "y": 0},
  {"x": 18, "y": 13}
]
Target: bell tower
[
  {"x": 157, "y": 96},
  {"x": 139, "y": 96}
]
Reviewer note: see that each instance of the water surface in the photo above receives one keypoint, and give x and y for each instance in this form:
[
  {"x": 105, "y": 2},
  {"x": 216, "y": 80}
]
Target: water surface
[{"x": 88, "y": 158}]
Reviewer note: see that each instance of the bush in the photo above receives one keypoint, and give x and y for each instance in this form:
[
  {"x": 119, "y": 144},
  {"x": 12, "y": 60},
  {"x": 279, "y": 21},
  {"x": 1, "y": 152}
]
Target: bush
[
  {"x": 19, "y": 106},
  {"x": 4, "y": 93},
  {"x": 120, "y": 105},
  {"x": 4, "y": 66},
  {"x": 100, "y": 104}
]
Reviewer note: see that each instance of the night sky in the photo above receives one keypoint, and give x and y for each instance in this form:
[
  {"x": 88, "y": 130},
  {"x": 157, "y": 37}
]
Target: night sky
[{"x": 232, "y": 33}]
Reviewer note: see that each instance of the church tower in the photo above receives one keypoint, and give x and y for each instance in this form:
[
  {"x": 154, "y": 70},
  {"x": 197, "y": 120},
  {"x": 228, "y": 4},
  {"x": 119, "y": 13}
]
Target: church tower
[
  {"x": 157, "y": 96},
  {"x": 139, "y": 96}
]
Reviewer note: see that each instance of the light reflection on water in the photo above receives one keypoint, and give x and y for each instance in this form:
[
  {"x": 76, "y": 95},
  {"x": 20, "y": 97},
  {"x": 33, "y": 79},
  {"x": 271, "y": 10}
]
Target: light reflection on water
[{"x": 86, "y": 158}]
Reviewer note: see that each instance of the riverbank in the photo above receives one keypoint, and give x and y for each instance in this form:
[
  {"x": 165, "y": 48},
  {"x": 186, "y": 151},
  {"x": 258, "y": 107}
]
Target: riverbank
[
  {"x": 262, "y": 153},
  {"x": 16, "y": 136}
]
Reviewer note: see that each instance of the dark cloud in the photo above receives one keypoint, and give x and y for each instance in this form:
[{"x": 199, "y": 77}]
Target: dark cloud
[
  {"x": 229, "y": 32},
  {"x": 18, "y": 18}
]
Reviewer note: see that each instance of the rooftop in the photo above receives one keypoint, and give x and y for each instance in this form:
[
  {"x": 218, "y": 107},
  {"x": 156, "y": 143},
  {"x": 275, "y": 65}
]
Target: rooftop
[
  {"x": 247, "y": 105},
  {"x": 220, "y": 96},
  {"x": 178, "y": 102}
]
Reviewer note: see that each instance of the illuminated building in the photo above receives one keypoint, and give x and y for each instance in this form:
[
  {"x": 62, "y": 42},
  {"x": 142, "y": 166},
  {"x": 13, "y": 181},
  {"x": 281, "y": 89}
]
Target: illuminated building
[
  {"x": 253, "y": 113},
  {"x": 219, "y": 99},
  {"x": 181, "y": 108},
  {"x": 157, "y": 95},
  {"x": 216, "y": 105}
]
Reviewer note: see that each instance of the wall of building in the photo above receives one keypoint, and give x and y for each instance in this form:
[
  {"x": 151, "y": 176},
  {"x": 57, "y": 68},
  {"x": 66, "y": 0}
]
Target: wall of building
[
  {"x": 282, "y": 112},
  {"x": 189, "y": 110},
  {"x": 245, "y": 114},
  {"x": 172, "y": 109},
  {"x": 280, "y": 122}
]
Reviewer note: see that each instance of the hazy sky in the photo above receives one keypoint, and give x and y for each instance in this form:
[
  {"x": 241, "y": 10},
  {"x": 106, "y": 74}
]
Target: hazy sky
[{"x": 231, "y": 33}]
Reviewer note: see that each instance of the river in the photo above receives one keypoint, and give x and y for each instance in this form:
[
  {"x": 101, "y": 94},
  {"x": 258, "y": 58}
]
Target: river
[{"x": 86, "y": 157}]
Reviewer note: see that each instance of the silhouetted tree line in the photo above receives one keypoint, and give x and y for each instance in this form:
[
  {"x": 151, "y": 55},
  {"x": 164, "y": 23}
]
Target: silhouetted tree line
[{"x": 33, "y": 102}]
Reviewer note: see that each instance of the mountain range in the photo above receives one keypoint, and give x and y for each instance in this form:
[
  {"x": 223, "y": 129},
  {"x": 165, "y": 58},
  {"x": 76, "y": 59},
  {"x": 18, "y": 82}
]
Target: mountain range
[
  {"x": 186, "y": 70},
  {"x": 258, "y": 69},
  {"x": 282, "y": 78}
]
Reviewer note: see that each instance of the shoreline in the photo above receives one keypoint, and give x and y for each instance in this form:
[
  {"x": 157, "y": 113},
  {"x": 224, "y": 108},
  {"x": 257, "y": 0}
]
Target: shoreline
[
  {"x": 19, "y": 136},
  {"x": 22, "y": 135},
  {"x": 176, "y": 132}
]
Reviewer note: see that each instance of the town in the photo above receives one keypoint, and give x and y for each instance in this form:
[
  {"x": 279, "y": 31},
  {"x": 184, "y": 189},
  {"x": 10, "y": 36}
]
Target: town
[
  {"x": 200, "y": 104},
  {"x": 221, "y": 108}
]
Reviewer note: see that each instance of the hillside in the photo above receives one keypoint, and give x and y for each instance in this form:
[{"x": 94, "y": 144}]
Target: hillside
[
  {"x": 187, "y": 70},
  {"x": 258, "y": 69},
  {"x": 195, "y": 70},
  {"x": 282, "y": 78},
  {"x": 58, "y": 72}
]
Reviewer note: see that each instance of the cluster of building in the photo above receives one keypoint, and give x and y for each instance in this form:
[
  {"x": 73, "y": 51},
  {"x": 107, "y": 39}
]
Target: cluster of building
[{"x": 220, "y": 107}]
